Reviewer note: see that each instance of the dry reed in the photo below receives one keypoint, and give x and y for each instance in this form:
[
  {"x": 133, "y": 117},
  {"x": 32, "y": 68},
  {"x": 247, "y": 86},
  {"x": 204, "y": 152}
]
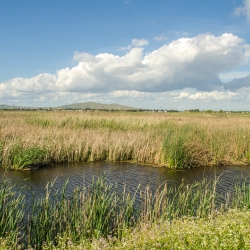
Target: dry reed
[{"x": 174, "y": 140}]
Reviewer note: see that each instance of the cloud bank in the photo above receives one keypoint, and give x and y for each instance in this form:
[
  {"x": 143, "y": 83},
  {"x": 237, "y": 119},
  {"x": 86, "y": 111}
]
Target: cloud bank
[{"x": 194, "y": 63}]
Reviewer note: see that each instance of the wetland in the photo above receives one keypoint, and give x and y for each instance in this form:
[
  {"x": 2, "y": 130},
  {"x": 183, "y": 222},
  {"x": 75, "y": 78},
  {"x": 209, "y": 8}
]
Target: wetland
[{"x": 124, "y": 180}]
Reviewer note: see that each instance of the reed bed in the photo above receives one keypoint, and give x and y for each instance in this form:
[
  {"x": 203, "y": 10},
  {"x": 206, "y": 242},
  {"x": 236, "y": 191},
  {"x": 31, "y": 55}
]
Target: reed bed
[
  {"x": 176, "y": 140},
  {"x": 100, "y": 215}
]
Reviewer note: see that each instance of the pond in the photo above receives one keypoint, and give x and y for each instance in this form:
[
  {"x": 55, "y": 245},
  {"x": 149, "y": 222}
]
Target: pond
[{"x": 121, "y": 173}]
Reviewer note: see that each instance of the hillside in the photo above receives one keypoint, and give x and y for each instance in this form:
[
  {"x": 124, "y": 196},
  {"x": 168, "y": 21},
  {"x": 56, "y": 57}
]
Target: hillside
[
  {"x": 94, "y": 105},
  {"x": 74, "y": 106},
  {"x": 13, "y": 107}
]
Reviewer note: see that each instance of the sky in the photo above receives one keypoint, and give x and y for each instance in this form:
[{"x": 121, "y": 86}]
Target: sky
[{"x": 153, "y": 54}]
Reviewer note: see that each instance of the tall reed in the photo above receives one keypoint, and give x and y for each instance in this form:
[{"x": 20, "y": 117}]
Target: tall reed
[
  {"x": 173, "y": 140},
  {"x": 28, "y": 158},
  {"x": 85, "y": 214},
  {"x": 101, "y": 211},
  {"x": 11, "y": 213}
]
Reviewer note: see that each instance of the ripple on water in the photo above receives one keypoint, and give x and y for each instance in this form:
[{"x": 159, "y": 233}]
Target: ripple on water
[{"x": 120, "y": 174}]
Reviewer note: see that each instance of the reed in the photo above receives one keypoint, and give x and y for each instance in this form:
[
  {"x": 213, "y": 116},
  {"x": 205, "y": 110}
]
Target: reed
[
  {"x": 28, "y": 158},
  {"x": 93, "y": 212},
  {"x": 11, "y": 214},
  {"x": 100, "y": 211},
  {"x": 173, "y": 140}
]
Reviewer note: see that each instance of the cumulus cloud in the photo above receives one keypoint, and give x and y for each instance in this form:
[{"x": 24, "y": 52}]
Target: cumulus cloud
[
  {"x": 19, "y": 87},
  {"x": 244, "y": 10},
  {"x": 187, "y": 62},
  {"x": 207, "y": 96},
  {"x": 184, "y": 63}
]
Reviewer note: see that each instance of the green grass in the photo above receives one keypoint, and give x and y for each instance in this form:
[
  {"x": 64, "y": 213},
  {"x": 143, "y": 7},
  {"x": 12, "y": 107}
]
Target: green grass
[
  {"x": 225, "y": 231},
  {"x": 28, "y": 158},
  {"x": 182, "y": 216},
  {"x": 11, "y": 213}
]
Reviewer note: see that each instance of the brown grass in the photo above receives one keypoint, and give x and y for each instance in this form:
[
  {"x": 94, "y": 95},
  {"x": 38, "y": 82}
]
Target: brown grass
[{"x": 163, "y": 139}]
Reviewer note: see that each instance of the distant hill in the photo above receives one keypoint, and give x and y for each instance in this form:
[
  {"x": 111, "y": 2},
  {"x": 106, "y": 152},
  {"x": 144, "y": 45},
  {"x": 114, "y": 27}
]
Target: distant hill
[
  {"x": 94, "y": 105},
  {"x": 74, "y": 106},
  {"x": 4, "y": 106}
]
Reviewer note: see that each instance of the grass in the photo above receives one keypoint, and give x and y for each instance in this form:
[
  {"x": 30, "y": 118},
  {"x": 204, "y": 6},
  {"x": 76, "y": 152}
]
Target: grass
[
  {"x": 175, "y": 140},
  {"x": 100, "y": 217},
  {"x": 11, "y": 213},
  {"x": 28, "y": 158},
  {"x": 226, "y": 231}
]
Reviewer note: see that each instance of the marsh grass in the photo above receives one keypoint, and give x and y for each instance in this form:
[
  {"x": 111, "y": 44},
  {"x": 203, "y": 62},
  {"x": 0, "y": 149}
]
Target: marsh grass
[
  {"x": 11, "y": 213},
  {"x": 99, "y": 211},
  {"x": 28, "y": 158},
  {"x": 172, "y": 140},
  {"x": 175, "y": 147},
  {"x": 92, "y": 212}
]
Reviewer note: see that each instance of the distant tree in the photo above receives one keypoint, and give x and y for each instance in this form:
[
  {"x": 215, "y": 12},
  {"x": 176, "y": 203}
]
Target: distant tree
[{"x": 209, "y": 111}]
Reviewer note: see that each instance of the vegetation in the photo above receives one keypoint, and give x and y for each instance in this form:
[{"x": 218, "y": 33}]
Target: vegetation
[
  {"x": 28, "y": 158},
  {"x": 100, "y": 216},
  {"x": 175, "y": 140},
  {"x": 11, "y": 214}
]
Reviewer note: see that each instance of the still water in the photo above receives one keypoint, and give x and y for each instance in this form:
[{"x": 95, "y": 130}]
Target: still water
[{"x": 32, "y": 183}]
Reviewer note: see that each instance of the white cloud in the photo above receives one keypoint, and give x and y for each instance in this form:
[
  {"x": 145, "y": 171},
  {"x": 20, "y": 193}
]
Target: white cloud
[
  {"x": 135, "y": 44},
  {"x": 208, "y": 96},
  {"x": 36, "y": 85},
  {"x": 140, "y": 42},
  {"x": 126, "y": 94},
  {"x": 184, "y": 63},
  {"x": 160, "y": 38},
  {"x": 244, "y": 10}
]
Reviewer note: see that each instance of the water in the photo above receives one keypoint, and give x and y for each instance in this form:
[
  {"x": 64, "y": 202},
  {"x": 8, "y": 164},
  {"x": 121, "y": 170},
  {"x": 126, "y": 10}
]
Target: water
[{"x": 131, "y": 175}]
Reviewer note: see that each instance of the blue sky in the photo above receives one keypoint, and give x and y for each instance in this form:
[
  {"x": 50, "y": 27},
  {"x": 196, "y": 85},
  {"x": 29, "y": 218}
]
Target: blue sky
[{"x": 150, "y": 54}]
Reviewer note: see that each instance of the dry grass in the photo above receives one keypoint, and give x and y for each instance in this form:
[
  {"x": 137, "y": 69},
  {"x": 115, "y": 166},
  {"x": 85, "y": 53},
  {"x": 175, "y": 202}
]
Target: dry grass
[{"x": 174, "y": 140}]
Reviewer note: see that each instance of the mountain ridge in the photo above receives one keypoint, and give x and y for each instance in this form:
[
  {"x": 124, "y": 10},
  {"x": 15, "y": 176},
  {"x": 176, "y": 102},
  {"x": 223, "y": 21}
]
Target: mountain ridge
[
  {"x": 95, "y": 105},
  {"x": 75, "y": 106}
]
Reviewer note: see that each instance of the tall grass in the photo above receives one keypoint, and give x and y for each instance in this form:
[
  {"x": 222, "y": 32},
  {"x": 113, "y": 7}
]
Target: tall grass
[
  {"x": 28, "y": 158},
  {"x": 87, "y": 213},
  {"x": 162, "y": 139},
  {"x": 11, "y": 213},
  {"x": 100, "y": 211}
]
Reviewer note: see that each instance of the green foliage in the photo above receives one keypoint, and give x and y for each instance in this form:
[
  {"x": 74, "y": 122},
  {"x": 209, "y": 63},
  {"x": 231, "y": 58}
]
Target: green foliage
[
  {"x": 93, "y": 212},
  {"x": 225, "y": 231},
  {"x": 41, "y": 122},
  {"x": 111, "y": 124},
  {"x": 28, "y": 158},
  {"x": 11, "y": 212},
  {"x": 99, "y": 212},
  {"x": 209, "y": 111},
  {"x": 1, "y": 152},
  {"x": 175, "y": 146}
]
